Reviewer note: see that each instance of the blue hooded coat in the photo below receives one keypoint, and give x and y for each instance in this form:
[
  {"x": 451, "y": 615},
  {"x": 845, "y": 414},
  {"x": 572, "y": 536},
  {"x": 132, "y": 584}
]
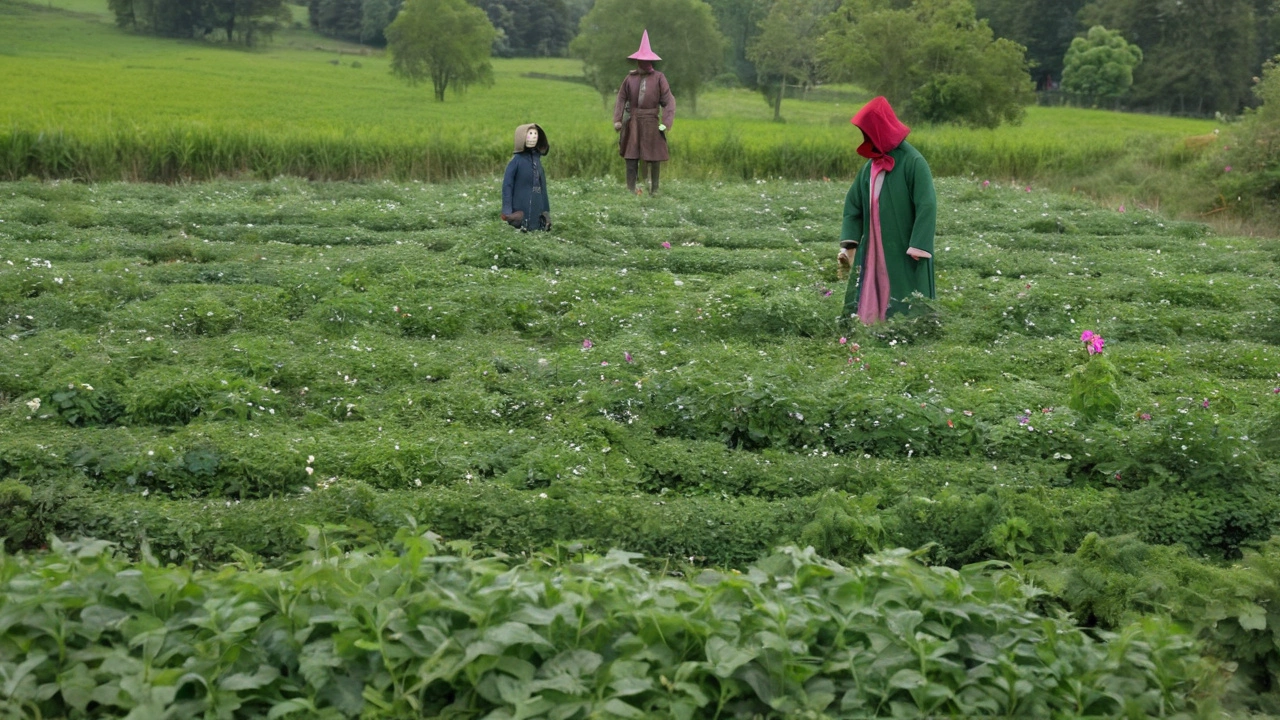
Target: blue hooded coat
[{"x": 524, "y": 186}]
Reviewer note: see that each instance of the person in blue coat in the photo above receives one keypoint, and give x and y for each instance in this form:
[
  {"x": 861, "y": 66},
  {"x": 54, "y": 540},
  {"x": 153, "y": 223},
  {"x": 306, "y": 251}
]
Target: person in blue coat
[{"x": 524, "y": 187}]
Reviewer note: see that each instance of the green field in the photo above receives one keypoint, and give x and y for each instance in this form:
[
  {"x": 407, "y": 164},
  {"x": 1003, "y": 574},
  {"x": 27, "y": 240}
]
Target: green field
[
  {"x": 277, "y": 446},
  {"x": 220, "y": 364},
  {"x": 85, "y": 100}
]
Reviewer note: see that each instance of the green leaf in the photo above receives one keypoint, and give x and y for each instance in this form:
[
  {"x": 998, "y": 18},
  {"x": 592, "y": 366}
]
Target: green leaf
[
  {"x": 287, "y": 707},
  {"x": 1253, "y": 617},
  {"x": 622, "y": 709},
  {"x": 265, "y": 675},
  {"x": 724, "y": 658}
]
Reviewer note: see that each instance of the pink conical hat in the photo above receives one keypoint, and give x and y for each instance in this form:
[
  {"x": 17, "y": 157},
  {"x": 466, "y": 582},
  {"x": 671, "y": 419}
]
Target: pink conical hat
[{"x": 644, "y": 53}]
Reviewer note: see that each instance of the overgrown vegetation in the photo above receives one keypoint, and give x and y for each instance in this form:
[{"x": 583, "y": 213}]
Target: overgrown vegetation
[
  {"x": 197, "y": 372},
  {"x": 410, "y": 631}
]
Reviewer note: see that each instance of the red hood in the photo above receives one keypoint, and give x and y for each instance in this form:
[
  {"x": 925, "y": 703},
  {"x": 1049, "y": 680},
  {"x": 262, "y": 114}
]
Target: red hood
[{"x": 878, "y": 122}]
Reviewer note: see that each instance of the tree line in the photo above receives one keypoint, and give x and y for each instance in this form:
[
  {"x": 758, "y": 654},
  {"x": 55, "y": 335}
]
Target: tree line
[{"x": 244, "y": 22}]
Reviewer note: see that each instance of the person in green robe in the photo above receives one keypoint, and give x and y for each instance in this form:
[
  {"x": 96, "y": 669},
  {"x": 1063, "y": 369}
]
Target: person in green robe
[{"x": 889, "y": 218}]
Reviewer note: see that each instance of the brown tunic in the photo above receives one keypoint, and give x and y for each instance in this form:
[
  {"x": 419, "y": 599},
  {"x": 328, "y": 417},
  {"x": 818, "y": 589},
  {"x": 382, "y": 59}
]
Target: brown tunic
[{"x": 638, "y": 112}]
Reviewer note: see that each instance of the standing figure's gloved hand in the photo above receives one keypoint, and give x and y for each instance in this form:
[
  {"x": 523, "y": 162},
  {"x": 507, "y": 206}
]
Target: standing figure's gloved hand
[
  {"x": 918, "y": 254},
  {"x": 662, "y": 128},
  {"x": 617, "y": 126}
]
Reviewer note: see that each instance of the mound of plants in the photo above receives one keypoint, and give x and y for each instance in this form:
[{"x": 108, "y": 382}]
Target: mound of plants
[{"x": 415, "y": 629}]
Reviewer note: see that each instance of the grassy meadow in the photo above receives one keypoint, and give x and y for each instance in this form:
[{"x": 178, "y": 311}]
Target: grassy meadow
[{"x": 85, "y": 100}]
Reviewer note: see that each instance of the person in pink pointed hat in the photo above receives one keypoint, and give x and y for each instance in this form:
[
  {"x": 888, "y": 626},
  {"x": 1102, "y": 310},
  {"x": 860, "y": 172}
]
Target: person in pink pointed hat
[
  {"x": 890, "y": 215},
  {"x": 644, "y": 111}
]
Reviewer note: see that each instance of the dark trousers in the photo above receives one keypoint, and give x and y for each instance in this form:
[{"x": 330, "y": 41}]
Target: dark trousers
[{"x": 633, "y": 170}]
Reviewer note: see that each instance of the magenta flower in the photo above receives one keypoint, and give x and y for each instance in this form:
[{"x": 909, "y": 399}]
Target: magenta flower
[
  {"x": 1028, "y": 188},
  {"x": 826, "y": 292},
  {"x": 1205, "y": 403},
  {"x": 627, "y": 355},
  {"x": 1226, "y": 169},
  {"x": 1086, "y": 336},
  {"x": 586, "y": 344},
  {"x": 604, "y": 363},
  {"x": 1096, "y": 346},
  {"x": 986, "y": 184},
  {"x": 1145, "y": 416},
  {"x": 1024, "y": 419},
  {"x": 1276, "y": 391},
  {"x": 844, "y": 340},
  {"x": 666, "y": 244},
  {"x": 1122, "y": 207}
]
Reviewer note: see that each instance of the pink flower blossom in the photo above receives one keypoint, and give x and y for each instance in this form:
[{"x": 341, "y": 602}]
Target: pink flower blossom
[
  {"x": 1028, "y": 188},
  {"x": 1144, "y": 417},
  {"x": 844, "y": 340},
  {"x": 666, "y": 244},
  {"x": 586, "y": 344},
  {"x": 1276, "y": 391},
  {"x": 604, "y": 363},
  {"x": 1205, "y": 403},
  {"x": 627, "y": 355},
  {"x": 1122, "y": 207},
  {"x": 1086, "y": 336},
  {"x": 1226, "y": 169},
  {"x": 1096, "y": 346},
  {"x": 986, "y": 184},
  {"x": 1024, "y": 419}
]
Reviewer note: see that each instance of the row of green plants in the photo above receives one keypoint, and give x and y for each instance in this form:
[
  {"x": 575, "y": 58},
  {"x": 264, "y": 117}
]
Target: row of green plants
[
  {"x": 168, "y": 153},
  {"x": 201, "y": 370},
  {"x": 415, "y": 628}
]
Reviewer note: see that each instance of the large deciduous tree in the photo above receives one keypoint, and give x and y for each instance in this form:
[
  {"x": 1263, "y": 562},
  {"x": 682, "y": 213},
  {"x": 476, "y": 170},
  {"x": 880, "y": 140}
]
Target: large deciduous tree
[
  {"x": 1199, "y": 55},
  {"x": 683, "y": 32},
  {"x": 1100, "y": 64},
  {"x": 785, "y": 50},
  {"x": 447, "y": 41},
  {"x": 933, "y": 59}
]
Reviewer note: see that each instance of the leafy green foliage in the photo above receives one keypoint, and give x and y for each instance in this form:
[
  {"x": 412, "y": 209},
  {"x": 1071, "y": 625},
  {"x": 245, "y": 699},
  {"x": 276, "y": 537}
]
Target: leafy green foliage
[
  {"x": 932, "y": 58},
  {"x": 447, "y": 41},
  {"x": 1100, "y": 64},
  {"x": 1093, "y": 389},
  {"x": 408, "y": 630}
]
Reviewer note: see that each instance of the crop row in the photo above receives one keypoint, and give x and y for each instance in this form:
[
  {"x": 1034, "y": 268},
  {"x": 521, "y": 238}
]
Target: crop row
[{"x": 407, "y": 631}]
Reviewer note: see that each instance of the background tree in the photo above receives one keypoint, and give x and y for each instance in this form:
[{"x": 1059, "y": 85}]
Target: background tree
[
  {"x": 683, "y": 32},
  {"x": 785, "y": 50},
  {"x": 1200, "y": 55},
  {"x": 342, "y": 19},
  {"x": 1045, "y": 27},
  {"x": 445, "y": 40},
  {"x": 933, "y": 59},
  {"x": 1100, "y": 64},
  {"x": 375, "y": 16},
  {"x": 739, "y": 22},
  {"x": 529, "y": 28}
]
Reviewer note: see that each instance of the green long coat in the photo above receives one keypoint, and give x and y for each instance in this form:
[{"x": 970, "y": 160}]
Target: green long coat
[{"x": 908, "y": 216}]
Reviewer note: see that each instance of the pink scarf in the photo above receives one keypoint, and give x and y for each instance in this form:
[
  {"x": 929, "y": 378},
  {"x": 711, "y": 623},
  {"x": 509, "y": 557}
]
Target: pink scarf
[{"x": 873, "y": 295}]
